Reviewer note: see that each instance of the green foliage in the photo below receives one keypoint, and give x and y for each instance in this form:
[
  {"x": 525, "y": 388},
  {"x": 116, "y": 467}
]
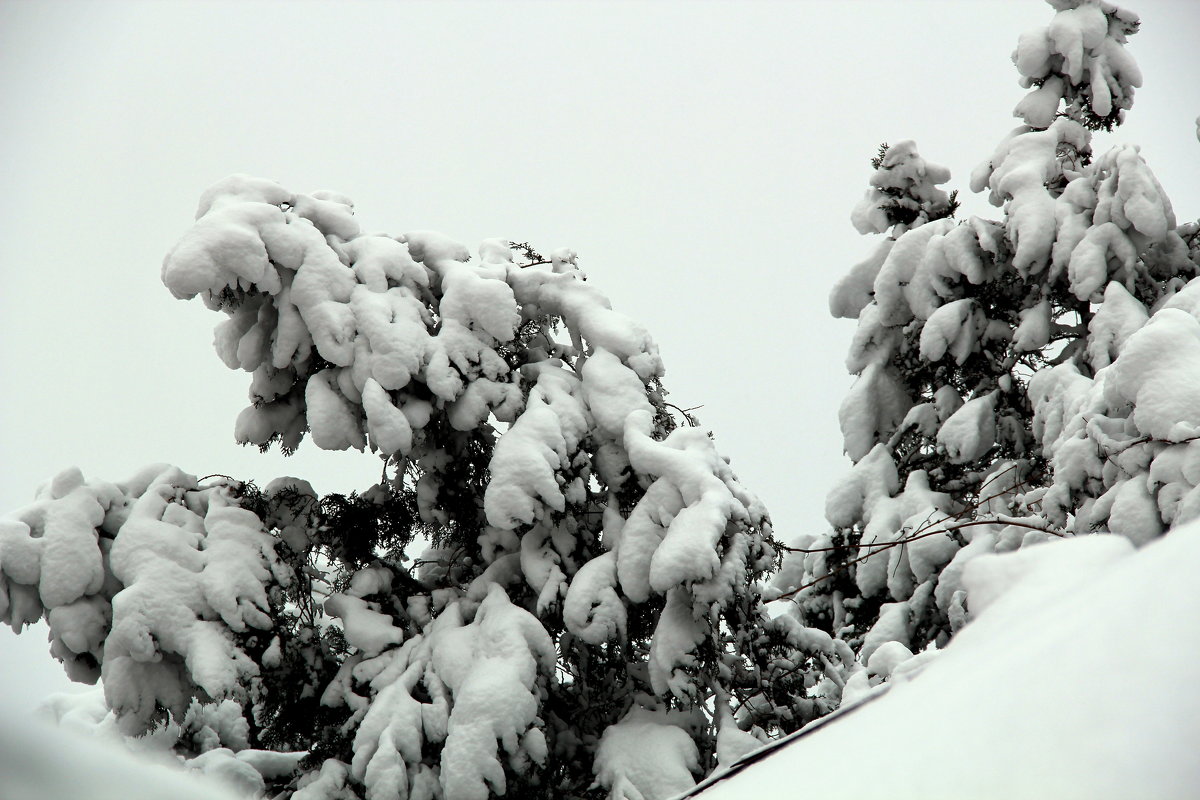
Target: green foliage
[{"x": 877, "y": 161}]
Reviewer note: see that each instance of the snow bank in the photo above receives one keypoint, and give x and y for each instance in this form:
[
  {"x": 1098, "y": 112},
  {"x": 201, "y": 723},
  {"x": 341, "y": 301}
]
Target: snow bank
[
  {"x": 39, "y": 761},
  {"x": 1112, "y": 713}
]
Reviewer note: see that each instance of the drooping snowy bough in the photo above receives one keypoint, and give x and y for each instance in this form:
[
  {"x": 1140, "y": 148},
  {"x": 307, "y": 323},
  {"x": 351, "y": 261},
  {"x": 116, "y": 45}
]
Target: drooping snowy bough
[
  {"x": 585, "y": 614},
  {"x": 1020, "y": 379}
]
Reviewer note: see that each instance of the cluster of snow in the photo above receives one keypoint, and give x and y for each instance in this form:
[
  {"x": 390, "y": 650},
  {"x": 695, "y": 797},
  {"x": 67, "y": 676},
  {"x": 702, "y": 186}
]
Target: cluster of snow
[
  {"x": 480, "y": 679},
  {"x": 912, "y": 554},
  {"x": 1020, "y": 174},
  {"x": 647, "y": 756},
  {"x": 923, "y": 278},
  {"x": 1079, "y": 56},
  {"x": 1110, "y": 215},
  {"x": 1126, "y": 445},
  {"x": 1095, "y": 228},
  {"x": 353, "y": 336},
  {"x": 903, "y": 188},
  {"x": 142, "y": 583},
  {"x": 481, "y": 682},
  {"x": 211, "y": 739},
  {"x": 688, "y": 538}
]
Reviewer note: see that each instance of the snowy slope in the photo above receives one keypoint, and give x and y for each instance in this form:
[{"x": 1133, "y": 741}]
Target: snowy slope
[
  {"x": 39, "y": 761},
  {"x": 1078, "y": 680}
]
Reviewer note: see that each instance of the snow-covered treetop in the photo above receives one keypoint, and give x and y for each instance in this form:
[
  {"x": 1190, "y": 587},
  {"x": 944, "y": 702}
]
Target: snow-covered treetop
[
  {"x": 1078, "y": 61},
  {"x": 903, "y": 191},
  {"x": 356, "y": 337}
]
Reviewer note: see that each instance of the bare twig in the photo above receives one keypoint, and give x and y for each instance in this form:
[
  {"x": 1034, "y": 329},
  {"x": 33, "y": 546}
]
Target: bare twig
[
  {"x": 925, "y": 530},
  {"x": 218, "y": 475},
  {"x": 686, "y": 412}
]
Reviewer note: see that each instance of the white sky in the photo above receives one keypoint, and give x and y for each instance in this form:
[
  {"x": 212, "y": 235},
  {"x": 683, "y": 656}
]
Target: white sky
[{"x": 701, "y": 157}]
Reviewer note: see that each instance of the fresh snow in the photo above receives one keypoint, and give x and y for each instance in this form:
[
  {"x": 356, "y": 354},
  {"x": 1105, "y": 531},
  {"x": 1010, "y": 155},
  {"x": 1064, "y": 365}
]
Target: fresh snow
[
  {"x": 646, "y": 756},
  {"x": 42, "y": 761},
  {"x": 1094, "y": 724}
]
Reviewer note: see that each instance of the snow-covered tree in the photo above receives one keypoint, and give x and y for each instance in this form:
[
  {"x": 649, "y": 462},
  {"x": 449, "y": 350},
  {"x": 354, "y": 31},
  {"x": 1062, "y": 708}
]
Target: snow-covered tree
[
  {"x": 556, "y": 590},
  {"x": 1018, "y": 379}
]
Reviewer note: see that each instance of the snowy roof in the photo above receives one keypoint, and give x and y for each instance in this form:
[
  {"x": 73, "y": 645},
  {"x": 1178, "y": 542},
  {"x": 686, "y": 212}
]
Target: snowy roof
[{"x": 1078, "y": 679}]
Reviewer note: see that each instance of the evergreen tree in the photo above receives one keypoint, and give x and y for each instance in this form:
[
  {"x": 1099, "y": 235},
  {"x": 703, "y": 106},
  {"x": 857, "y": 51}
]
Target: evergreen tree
[
  {"x": 1009, "y": 387},
  {"x": 556, "y": 590}
]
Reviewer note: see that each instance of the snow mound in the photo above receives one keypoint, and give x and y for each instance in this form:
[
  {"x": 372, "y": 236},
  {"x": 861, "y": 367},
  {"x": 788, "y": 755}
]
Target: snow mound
[{"x": 962, "y": 728}]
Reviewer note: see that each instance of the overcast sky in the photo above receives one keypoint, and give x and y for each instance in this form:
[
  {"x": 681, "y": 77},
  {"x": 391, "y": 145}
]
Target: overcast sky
[{"x": 702, "y": 158}]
